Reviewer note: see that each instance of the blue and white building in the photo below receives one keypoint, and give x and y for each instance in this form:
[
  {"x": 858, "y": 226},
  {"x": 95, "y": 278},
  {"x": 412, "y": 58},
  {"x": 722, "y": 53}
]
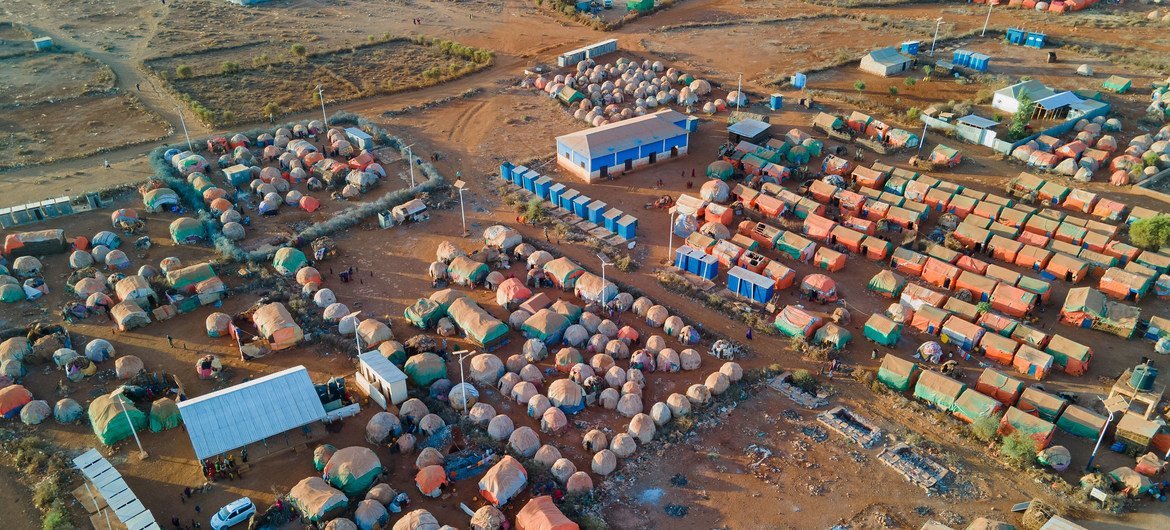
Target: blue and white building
[{"x": 621, "y": 147}]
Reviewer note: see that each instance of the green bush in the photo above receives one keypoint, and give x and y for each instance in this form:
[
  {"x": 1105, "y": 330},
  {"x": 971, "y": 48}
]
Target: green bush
[
  {"x": 534, "y": 211},
  {"x": 910, "y": 81},
  {"x": 183, "y": 71},
  {"x": 985, "y": 429},
  {"x": 913, "y": 113},
  {"x": 1018, "y": 449},
  {"x": 230, "y": 67},
  {"x": 893, "y": 90},
  {"x": 57, "y": 518},
  {"x": 804, "y": 380},
  {"x": 859, "y": 85},
  {"x": 298, "y": 49},
  {"x": 1151, "y": 233}
]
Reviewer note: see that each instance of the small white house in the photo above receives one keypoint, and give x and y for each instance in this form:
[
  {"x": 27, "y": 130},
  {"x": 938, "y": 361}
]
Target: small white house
[
  {"x": 886, "y": 62},
  {"x": 1007, "y": 99},
  {"x": 379, "y": 379}
]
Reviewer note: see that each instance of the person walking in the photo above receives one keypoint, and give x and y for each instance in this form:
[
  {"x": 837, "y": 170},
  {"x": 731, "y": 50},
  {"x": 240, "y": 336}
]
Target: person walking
[
  {"x": 106, "y": 164},
  {"x": 171, "y": 341},
  {"x": 749, "y": 333}
]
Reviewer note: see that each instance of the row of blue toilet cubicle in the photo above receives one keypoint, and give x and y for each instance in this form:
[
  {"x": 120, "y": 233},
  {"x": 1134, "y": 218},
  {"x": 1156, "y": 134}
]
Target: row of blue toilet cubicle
[
  {"x": 581, "y": 205},
  {"x": 743, "y": 282}
]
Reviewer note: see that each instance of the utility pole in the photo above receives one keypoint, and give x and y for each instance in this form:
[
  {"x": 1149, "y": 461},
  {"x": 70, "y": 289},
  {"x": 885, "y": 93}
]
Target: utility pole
[
  {"x": 410, "y": 154},
  {"x": 462, "y": 187},
  {"x": 670, "y": 239},
  {"x": 739, "y": 92},
  {"x": 141, "y": 451},
  {"x": 990, "y": 5},
  {"x": 937, "y": 24},
  {"x": 922, "y": 141},
  {"x": 179, "y": 110},
  {"x": 321, "y": 96},
  {"x": 603, "y": 265},
  {"x": 462, "y": 382}
]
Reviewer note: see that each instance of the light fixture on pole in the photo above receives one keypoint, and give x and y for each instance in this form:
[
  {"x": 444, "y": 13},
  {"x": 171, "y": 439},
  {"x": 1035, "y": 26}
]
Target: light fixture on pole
[
  {"x": 739, "y": 92},
  {"x": 141, "y": 451},
  {"x": 462, "y": 383},
  {"x": 410, "y": 155},
  {"x": 604, "y": 263},
  {"x": 462, "y": 187},
  {"x": 670, "y": 240},
  {"x": 179, "y": 110},
  {"x": 321, "y": 96},
  {"x": 922, "y": 141},
  {"x": 937, "y": 23},
  {"x": 1108, "y": 421},
  {"x": 988, "y": 20}
]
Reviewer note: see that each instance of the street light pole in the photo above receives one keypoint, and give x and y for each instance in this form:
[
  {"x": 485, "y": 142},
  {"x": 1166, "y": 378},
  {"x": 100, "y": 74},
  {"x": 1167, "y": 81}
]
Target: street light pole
[
  {"x": 321, "y": 96},
  {"x": 179, "y": 110},
  {"x": 1108, "y": 421},
  {"x": 462, "y": 383},
  {"x": 462, "y": 187},
  {"x": 988, "y": 20},
  {"x": 141, "y": 451},
  {"x": 670, "y": 240},
  {"x": 603, "y": 265},
  {"x": 739, "y": 92},
  {"x": 937, "y": 24},
  {"x": 410, "y": 154},
  {"x": 922, "y": 141}
]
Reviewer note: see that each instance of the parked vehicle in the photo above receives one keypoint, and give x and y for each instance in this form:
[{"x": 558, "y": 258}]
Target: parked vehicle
[{"x": 234, "y": 513}]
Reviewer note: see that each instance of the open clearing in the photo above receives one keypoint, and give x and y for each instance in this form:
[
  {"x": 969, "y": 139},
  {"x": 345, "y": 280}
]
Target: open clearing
[{"x": 37, "y": 78}]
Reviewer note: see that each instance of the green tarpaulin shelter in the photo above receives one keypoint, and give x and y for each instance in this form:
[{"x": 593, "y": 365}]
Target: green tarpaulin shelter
[
  {"x": 466, "y": 271},
  {"x": 164, "y": 414},
  {"x": 479, "y": 326},
  {"x": 1036, "y": 401},
  {"x": 288, "y": 260},
  {"x": 882, "y": 330},
  {"x": 353, "y": 470},
  {"x": 563, "y": 272},
  {"x": 897, "y": 373},
  {"x": 425, "y": 368},
  {"x": 109, "y": 421},
  {"x": 641, "y": 6},
  {"x": 1118, "y": 84},
  {"x": 973, "y": 406},
  {"x": 887, "y": 283},
  {"x": 793, "y": 321},
  {"x": 938, "y": 389},
  {"x": 1018, "y": 421},
  {"x": 186, "y": 231},
  {"x": 186, "y": 278},
  {"x": 1080, "y": 421},
  {"x": 424, "y": 313},
  {"x": 445, "y": 297},
  {"x": 795, "y": 246},
  {"x": 721, "y": 170},
  {"x": 546, "y": 325},
  {"x": 832, "y": 335}
]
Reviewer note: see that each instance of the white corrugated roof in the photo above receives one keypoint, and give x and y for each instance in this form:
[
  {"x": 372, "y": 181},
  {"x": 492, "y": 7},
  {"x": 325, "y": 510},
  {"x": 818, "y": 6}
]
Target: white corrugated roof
[
  {"x": 978, "y": 121},
  {"x": 1062, "y": 99},
  {"x": 615, "y": 137},
  {"x": 249, "y": 412},
  {"x": 382, "y": 366},
  {"x": 749, "y": 127},
  {"x": 110, "y": 486}
]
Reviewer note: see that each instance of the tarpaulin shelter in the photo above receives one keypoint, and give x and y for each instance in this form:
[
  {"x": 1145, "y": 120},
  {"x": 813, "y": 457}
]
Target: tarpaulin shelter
[
  {"x": 135, "y": 288},
  {"x": 945, "y": 156},
  {"x": 793, "y": 321},
  {"x": 1004, "y": 249},
  {"x": 1003, "y": 274},
  {"x": 897, "y": 373},
  {"x": 917, "y": 297},
  {"x": 164, "y": 414},
  {"x": 128, "y": 315},
  {"x": 1073, "y": 356},
  {"x": 566, "y": 395},
  {"x": 1124, "y": 285},
  {"x": 823, "y": 286},
  {"x": 573, "y": 311},
  {"x": 887, "y": 283},
  {"x": 973, "y": 405},
  {"x": 541, "y": 513},
  {"x": 512, "y": 291},
  {"x": 563, "y": 272},
  {"x": 187, "y": 231},
  {"x": 1018, "y": 421},
  {"x": 1032, "y": 257},
  {"x": 795, "y": 246},
  {"x": 961, "y": 333},
  {"x": 938, "y": 389},
  {"x": 829, "y": 259},
  {"x": 159, "y": 198},
  {"x": 372, "y": 332},
  {"x": 316, "y": 499},
  {"x": 1083, "y": 306},
  {"x": 1044, "y": 405},
  {"x": 908, "y": 262},
  {"x": 999, "y": 348},
  {"x": 112, "y": 416},
  {"x": 1079, "y": 421},
  {"x": 1013, "y": 300},
  {"x": 12, "y": 398},
  {"x": 593, "y": 288},
  {"x": 478, "y": 325},
  {"x": 882, "y": 330},
  {"x": 288, "y": 260},
  {"x": 868, "y": 178},
  {"x": 276, "y": 326},
  {"x": 818, "y": 228},
  {"x": 940, "y": 273},
  {"x": 1032, "y": 362},
  {"x": 999, "y": 386},
  {"x": 546, "y": 325},
  {"x": 506, "y": 479},
  {"x": 466, "y": 271},
  {"x": 833, "y": 336},
  {"x": 980, "y": 287},
  {"x": 501, "y": 237},
  {"x": 1041, "y": 288},
  {"x": 1067, "y": 268},
  {"x": 425, "y": 368},
  {"x": 424, "y": 313},
  {"x": 353, "y": 470}
]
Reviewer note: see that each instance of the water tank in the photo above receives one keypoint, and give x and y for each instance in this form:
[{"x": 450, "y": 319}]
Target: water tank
[{"x": 1143, "y": 377}]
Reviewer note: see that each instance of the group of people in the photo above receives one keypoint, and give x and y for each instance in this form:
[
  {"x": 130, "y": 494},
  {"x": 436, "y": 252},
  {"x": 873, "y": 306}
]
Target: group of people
[{"x": 221, "y": 468}]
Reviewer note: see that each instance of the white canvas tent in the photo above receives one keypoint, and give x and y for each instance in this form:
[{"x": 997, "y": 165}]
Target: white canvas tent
[
  {"x": 119, "y": 499},
  {"x": 380, "y": 379},
  {"x": 249, "y": 412}
]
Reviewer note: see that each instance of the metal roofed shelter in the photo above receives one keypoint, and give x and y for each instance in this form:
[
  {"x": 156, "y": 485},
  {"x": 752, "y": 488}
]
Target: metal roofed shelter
[
  {"x": 1007, "y": 99},
  {"x": 112, "y": 488},
  {"x": 249, "y": 412},
  {"x": 1056, "y": 106},
  {"x": 749, "y": 130},
  {"x": 381, "y": 379},
  {"x": 885, "y": 62},
  {"x": 617, "y": 148},
  {"x": 978, "y": 122}
]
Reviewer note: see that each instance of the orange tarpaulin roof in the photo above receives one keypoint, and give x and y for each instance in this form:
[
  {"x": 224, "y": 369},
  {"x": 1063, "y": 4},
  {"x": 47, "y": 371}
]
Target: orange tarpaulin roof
[{"x": 542, "y": 514}]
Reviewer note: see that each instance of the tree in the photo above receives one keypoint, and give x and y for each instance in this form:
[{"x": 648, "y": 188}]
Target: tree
[
  {"x": 1023, "y": 116},
  {"x": 183, "y": 71},
  {"x": 298, "y": 49},
  {"x": 927, "y": 70},
  {"x": 859, "y": 85},
  {"x": 985, "y": 429},
  {"x": 893, "y": 90},
  {"x": 271, "y": 109},
  {"x": 1152, "y": 233}
]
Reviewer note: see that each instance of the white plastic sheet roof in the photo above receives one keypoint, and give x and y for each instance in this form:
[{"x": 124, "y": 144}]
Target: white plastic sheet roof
[
  {"x": 249, "y": 412},
  {"x": 110, "y": 485}
]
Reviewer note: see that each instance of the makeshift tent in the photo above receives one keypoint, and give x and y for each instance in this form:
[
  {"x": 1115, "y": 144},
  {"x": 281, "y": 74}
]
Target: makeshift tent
[
  {"x": 425, "y": 368},
  {"x": 541, "y": 513},
  {"x": 466, "y": 271},
  {"x": 128, "y": 315},
  {"x": 1032, "y": 362},
  {"x": 1013, "y": 300},
  {"x": 112, "y": 417},
  {"x": 187, "y": 279},
  {"x": 12, "y": 398},
  {"x": 961, "y": 333},
  {"x": 832, "y": 335},
  {"x": 938, "y": 389},
  {"x": 503, "y": 481},
  {"x": 276, "y": 325},
  {"x": 1018, "y": 421},
  {"x": 1073, "y": 356},
  {"x": 1080, "y": 421},
  {"x": 882, "y": 330},
  {"x": 288, "y": 260},
  {"x": 897, "y": 373},
  {"x": 998, "y": 348},
  {"x": 908, "y": 262},
  {"x": 592, "y": 288},
  {"x": 164, "y": 414},
  {"x": 353, "y": 470},
  {"x": 824, "y": 287},
  {"x": 566, "y": 395},
  {"x": 187, "y": 231},
  {"x": 478, "y": 325},
  {"x": 513, "y": 291},
  {"x": 973, "y": 406},
  {"x": 424, "y": 313},
  {"x": 1040, "y": 403},
  {"x": 887, "y": 283},
  {"x": 793, "y": 321},
  {"x": 563, "y": 272},
  {"x": 501, "y": 237},
  {"x": 316, "y": 499}
]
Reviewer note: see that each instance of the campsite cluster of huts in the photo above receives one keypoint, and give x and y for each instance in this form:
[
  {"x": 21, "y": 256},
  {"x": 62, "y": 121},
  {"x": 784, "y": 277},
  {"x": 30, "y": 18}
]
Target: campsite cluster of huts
[{"x": 1093, "y": 149}]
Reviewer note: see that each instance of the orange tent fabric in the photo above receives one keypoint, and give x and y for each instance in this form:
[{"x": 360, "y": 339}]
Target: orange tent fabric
[
  {"x": 908, "y": 262},
  {"x": 999, "y": 348},
  {"x": 542, "y": 514},
  {"x": 429, "y": 479},
  {"x": 13, "y": 397},
  {"x": 818, "y": 228},
  {"x": 980, "y": 286},
  {"x": 310, "y": 204},
  {"x": 940, "y": 273},
  {"x": 970, "y": 264},
  {"x": 850, "y": 238},
  {"x": 1012, "y": 300}
]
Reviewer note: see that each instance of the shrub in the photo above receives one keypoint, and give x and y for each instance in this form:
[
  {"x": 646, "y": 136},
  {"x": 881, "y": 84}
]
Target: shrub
[
  {"x": 910, "y": 81},
  {"x": 1151, "y": 233},
  {"x": 260, "y": 59},
  {"x": 893, "y": 90},
  {"x": 57, "y": 518},
  {"x": 230, "y": 67},
  {"x": 298, "y": 50},
  {"x": 1020, "y": 120},
  {"x": 913, "y": 113},
  {"x": 804, "y": 380},
  {"x": 859, "y": 85},
  {"x": 534, "y": 211},
  {"x": 985, "y": 429},
  {"x": 183, "y": 71},
  {"x": 1018, "y": 449},
  {"x": 271, "y": 109},
  {"x": 926, "y": 71}
]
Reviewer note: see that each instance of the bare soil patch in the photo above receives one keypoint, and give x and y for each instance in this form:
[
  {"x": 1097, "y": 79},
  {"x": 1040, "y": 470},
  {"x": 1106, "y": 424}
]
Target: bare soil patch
[
  {"x": 36, "y": 78},
  {"x": 14, "y": 40},
  {"x": 85, "y": 125}
]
